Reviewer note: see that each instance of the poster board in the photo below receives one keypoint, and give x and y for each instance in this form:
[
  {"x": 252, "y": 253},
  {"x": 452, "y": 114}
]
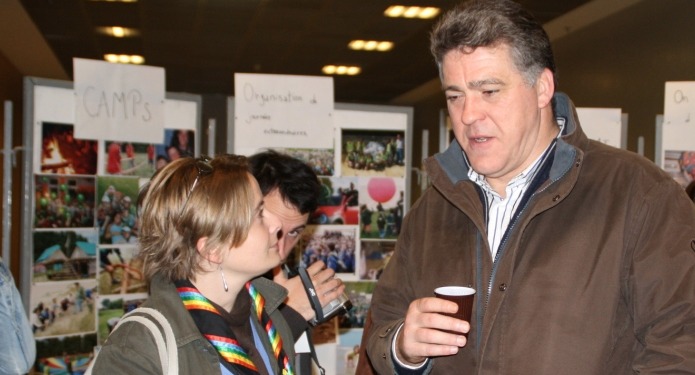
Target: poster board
[
  {"x": 381, "y": 182},
  {"x": 273, "y": 110},
  {"x": 79, "y": 227},
  {"x": 605, "y": 125},
  {"x": 676, "y": 132}
]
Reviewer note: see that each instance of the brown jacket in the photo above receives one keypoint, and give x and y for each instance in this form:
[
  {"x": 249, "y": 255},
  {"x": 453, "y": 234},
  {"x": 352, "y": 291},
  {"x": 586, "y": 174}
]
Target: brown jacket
[{"x": 596, "y": 276}]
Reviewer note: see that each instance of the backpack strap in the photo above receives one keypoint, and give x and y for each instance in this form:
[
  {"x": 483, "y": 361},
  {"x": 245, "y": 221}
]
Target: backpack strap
[{"x": 166, "y": 344}]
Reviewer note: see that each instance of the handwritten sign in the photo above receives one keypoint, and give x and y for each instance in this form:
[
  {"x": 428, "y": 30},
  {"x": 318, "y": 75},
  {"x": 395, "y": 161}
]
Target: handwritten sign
[
  {"x": 679, "y": 116},
  {"x": 118, "y": 102},
  {"x": 282, "y": 111},
  {"x": 602, "y": 124}
]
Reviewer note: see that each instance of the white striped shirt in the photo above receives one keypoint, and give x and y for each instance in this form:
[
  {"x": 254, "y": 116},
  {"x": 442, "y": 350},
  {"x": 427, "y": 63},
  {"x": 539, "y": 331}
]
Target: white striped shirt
[{"x": 501, "y": 210}]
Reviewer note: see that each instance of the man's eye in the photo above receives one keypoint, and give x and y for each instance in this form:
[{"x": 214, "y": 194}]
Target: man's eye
[
  {"x": 453, "y": 97},
  {"x": 293, "y": 233}
]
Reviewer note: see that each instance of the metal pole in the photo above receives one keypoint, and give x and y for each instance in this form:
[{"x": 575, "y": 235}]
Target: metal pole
[
  {"x": 212, "y": 127},
  {"x": 7, "y": 184}
]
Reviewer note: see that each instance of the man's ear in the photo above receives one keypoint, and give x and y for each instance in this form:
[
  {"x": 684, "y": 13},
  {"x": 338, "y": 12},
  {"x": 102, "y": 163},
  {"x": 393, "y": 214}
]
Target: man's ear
[{"x": 545, "y": 88}]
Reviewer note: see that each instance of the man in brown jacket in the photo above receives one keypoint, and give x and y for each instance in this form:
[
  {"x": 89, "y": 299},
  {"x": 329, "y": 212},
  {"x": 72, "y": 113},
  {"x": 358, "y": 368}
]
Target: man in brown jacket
[{"x": 582, "y": 255}]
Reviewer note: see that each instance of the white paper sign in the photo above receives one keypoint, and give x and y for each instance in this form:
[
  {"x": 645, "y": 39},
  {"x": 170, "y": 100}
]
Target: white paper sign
[
  {"x": 679, "y": 116},
  {"x": 282, "y": 111},
  {"x": 118, "y": 102},
  {"x": 602, "y": 124}
]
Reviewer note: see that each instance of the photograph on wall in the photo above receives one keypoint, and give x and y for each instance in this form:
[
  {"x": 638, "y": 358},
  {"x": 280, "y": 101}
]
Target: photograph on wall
[
  {"x": 178, "y": 143},
  {"x": 338, "y": 202},
  {"x": 321, "y": 160},
  {"x": 120, "y": 271},
  {"x": 381, "y": 202},
  {"x": 372, "y": 153},
  {"x": 64, "y": 255},
  {"x": 130, "y": 159},
  {"x": 117, "y": 212},
  {"x": 325, "y": 333},
  {"x": 360, "y": 294},
  {"x": 61, "y": 153},
  {"x": 335, "y": 245},
  {"x": 64, "y": 201},
  {"x": 680, "y": 165},
  {"x": 374, "y": 256},
  {"x": 64, "y": 355},
  {"x": 112, "y": 308},
  {"x": 348, "y": 351},
  {"x": 63, "y": 307}
]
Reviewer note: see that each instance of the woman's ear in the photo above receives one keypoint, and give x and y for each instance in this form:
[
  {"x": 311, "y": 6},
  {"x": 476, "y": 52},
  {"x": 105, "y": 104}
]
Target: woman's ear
[{"x": 211, "y": 255}]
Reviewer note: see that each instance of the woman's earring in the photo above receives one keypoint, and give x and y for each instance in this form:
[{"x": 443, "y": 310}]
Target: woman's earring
[{"x": 224, "y": 281}]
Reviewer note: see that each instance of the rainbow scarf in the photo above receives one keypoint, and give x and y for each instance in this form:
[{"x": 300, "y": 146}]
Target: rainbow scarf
[{"x": 213, "y": 326}]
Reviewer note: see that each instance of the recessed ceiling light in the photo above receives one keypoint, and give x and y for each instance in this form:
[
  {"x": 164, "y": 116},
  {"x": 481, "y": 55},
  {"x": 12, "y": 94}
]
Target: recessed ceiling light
[
  {"x": 353, "y": 70},
  {"x": 370, "y": 45},
  {"x": 394, "y": 11},
  {"x": 356, "y": 44},
  {"x": 429, "y": 12},
  {"x": 124, "y": 59},
  {"x": 341, "y": 70},
  {"x": 118, "y": 31},
  {"x": 411, "y": 12},
  {"x": 384, "y": 46}
]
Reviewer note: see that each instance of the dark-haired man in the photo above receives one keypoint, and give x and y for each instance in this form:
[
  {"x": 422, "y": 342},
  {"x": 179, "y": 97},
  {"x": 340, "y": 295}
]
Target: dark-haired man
[{"x": 291, "y": 190}]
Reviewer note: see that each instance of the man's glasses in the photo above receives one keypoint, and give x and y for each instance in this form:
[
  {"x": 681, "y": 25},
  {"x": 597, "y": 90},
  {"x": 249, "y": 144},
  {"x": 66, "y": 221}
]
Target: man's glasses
[{"x": 204, "y": 169}]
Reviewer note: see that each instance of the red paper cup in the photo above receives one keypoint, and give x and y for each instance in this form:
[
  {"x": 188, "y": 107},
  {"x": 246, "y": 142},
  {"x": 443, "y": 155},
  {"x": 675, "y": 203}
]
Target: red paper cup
[{"x": 463, "y": 296}]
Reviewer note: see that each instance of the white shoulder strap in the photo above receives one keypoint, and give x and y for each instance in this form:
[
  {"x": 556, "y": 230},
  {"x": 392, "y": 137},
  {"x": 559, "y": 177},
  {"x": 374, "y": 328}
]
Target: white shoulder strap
[{"x": 168, "y": 358}]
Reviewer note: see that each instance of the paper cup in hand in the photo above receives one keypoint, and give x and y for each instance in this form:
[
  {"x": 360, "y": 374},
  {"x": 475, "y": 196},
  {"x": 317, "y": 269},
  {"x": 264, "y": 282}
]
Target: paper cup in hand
[{"x": 463, "y": 296}]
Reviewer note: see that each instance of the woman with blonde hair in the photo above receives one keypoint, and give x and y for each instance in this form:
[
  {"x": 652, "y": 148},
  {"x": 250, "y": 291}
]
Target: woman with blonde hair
[{"x": 203, "y": 238}]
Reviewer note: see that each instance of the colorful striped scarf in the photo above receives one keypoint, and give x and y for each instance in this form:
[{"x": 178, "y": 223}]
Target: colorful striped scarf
[{"x": 213, "y": 326}]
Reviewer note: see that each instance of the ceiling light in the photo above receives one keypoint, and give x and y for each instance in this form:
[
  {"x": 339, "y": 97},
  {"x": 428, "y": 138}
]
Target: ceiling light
[
  {"x": 394, "y": 11},
  {"x": 429, "y": 12},
  {"x": 124, "y": 59},
  {"x": 356, "y": 44},
  {"x": 341, "y": 70},
  {"x": 353, "y": 70},
  {"x": 411, "y": 12},
  {"x": 118, "y": 31},
  {"x": 384, "y": 46},
  {"x": 137, "y": 59},
  {"x": 371, "y": 45}
]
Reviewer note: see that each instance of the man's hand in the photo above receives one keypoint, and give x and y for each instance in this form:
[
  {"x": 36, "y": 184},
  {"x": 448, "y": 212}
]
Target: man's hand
[
  {"x": 422, "y": 334},
  {"x": 327, "y": 286}
]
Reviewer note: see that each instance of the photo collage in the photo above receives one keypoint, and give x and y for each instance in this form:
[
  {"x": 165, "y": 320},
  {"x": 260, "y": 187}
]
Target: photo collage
[
  {"x": 355, "y": 227},
  {"x": 85, "y": 270},
  {"x": 86, "y": 273}
]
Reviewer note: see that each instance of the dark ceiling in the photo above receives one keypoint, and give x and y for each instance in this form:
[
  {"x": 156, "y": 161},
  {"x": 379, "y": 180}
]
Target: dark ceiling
[{"x": 202, "y": 43}]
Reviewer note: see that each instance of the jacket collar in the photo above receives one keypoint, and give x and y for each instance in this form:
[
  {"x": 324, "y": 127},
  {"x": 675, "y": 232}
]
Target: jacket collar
[{"x": 274, "y": 293}]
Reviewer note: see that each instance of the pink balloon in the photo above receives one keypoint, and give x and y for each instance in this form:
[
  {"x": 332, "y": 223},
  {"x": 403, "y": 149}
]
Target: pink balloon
[{"x": 381, "y": 189}]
